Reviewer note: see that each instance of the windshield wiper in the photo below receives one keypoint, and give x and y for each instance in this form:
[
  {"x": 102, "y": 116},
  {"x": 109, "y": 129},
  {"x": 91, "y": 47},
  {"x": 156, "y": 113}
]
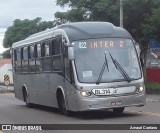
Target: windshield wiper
[
  {"x": 120, "y": 68},
  {"x": 103, "y": 68}
]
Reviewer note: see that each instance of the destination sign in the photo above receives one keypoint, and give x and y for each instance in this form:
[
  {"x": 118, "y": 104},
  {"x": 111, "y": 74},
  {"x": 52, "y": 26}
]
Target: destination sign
[{"x": 94, "y": 44}]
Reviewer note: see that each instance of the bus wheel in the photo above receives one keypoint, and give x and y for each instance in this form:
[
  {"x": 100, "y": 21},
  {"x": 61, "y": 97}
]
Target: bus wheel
[
  {"x": 29, "y": 105},
  {"x": 62, "y": 105},
  {"x": 118, "y": 110}
]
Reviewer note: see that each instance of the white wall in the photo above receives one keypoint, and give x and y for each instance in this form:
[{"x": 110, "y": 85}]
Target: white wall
[{"x": 6, "y": 69}]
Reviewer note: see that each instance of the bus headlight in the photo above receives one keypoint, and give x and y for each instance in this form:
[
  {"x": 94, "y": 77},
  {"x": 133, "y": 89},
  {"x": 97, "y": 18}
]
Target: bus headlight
[
  {"x": 140, "y": 89},
  {"x": 85, "y": 94}
]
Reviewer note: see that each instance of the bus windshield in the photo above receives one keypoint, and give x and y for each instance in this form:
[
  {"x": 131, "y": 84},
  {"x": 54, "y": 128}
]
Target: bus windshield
[{"x": 90, "y": 56}]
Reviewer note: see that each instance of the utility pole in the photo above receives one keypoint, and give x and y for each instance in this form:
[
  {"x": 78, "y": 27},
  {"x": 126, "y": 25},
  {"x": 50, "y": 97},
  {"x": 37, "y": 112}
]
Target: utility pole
[{"x": 121, "y": 13}]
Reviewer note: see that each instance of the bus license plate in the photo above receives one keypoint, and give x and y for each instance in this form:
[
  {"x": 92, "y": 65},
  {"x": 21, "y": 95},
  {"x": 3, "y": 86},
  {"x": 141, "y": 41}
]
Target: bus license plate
[
  {"x": 117, "y": 103},
  {"x": 102, "y": 92}
]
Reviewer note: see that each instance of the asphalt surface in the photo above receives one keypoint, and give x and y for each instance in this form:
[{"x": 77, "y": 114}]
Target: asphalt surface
[{"x": 14, "y": 111}]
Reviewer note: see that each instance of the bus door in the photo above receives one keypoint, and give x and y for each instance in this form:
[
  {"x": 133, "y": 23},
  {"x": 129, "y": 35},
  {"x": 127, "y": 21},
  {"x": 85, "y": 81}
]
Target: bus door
[{"x": 69, "y": 81}]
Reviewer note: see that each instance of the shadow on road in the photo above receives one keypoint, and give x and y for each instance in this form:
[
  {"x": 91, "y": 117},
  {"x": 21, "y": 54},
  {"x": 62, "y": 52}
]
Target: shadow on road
[
  {"x": 88, "y": 115},
  {"x": 102, "y": 114}
]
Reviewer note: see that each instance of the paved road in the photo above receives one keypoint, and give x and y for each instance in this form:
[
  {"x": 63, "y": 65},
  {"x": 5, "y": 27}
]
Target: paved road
[{"x": 14, "y": 111}]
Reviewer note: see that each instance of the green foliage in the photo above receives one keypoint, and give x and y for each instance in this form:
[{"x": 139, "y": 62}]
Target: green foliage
[
  {"x": 90, "y": 10},
  {"x": 73, "y": 15},
  {"x": 6, "y": 54},
  {"x": 139, "y": 18},
  {"x": 152, "y": 27},
  {"x": 152, "y": 85},
  {"x": 136, "y": 12},
  {"x": 21, "y": 29}
]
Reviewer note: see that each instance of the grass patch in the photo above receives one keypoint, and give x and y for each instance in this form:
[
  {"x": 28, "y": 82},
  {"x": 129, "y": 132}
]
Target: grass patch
[{"x": 152, "y": 85}]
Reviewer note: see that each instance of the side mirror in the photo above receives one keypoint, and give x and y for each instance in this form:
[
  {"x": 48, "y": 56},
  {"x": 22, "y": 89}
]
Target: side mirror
[{"x": 70, "y": 53}]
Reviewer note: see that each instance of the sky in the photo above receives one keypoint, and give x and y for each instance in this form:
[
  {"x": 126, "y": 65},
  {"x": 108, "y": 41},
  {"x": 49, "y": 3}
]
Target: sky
[{"x": 25, "y": 9}]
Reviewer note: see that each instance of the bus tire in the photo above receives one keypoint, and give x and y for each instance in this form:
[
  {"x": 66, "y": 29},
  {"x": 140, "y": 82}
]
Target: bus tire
[
  {"x": 26, "y": 99},
  {"x": 62, "y": 105},
  {"x": 118, "y": 110}
]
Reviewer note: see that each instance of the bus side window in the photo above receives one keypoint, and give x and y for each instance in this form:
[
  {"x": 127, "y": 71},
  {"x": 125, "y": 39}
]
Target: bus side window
[
  {"x": 14, "y": 58},
  {"x": 31, "y": 58},
  {"x": 24, "y": 59},
  {"x": 18, "y": 60},
  {"x": 57, "y": 56},
  {"x": 57, "y": 44},
  {"x": 38, "y": 50},
  {"x": 47, "y": 65},
  {"x": 38, "y": 58},
  {"x": 15, "y": 55},
  {"x": 43, "y": 49},
  {"x": 46, "y": 49},
  {"x": 25, "y": 53},
  {"x": 52, "y": 47},
  {"x": 31, "y": 52},
  {"x": 67, "y": 64}
]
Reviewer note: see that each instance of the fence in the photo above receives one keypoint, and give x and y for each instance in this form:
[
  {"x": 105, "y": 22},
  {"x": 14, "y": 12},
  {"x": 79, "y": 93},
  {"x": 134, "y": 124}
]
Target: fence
[{"x": 153, "y": 74}]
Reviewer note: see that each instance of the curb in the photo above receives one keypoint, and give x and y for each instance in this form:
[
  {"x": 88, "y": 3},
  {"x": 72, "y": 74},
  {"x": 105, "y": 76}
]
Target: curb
[
  {"x": 153, "y": 100},
  {"x": 6, "y": 91},
  {"x": 152, "y": 91}
]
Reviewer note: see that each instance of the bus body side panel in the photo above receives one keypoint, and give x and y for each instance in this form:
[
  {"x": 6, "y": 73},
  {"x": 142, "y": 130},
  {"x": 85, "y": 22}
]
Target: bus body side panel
[
  {"x": 71, "y": 96},
  {"x": 44, "y": 92},
  {"x": 17, "y": 88},
  {"x": 29, "y": 83},
  {"x": 48, "y": 88}
]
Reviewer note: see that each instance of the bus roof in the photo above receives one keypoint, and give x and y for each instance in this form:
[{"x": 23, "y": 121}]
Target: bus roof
[
  {"x": 78, "y": 31},
  {"x": 86, "y": 30}
]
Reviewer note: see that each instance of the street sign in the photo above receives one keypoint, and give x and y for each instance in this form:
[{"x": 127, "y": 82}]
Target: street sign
[
  {"x": 6, "y": 79},
  {"x": 6, "y": 82}
]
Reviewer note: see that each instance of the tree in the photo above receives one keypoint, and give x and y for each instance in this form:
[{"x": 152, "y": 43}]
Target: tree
[
  {"x": 21, "y": 29},
  {"x": 136, "y": 12},
  {"x": 152, "y": 27},
  {"x": 6, "y": 54},
  {"x": 88, "y": 10}
]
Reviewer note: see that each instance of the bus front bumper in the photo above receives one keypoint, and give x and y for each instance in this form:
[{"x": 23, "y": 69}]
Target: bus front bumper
[{"x": 98, "y": 103}]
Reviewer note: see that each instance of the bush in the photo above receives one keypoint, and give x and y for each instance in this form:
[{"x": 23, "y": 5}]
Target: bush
[{"x": 152, "y": 85}]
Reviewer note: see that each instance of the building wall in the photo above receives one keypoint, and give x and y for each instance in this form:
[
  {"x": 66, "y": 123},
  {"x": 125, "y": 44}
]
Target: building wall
[
  {"x": 154, "y": 63},
  {"x": 153, "y": 74}
]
